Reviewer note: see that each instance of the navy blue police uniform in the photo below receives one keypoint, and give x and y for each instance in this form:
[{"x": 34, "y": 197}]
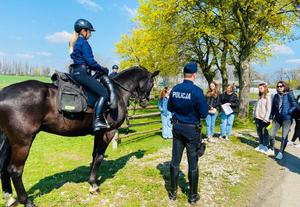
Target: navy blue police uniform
[
  {"x": 188, "y": 105},
  {"x": 113, "y": 74},
  {"x": 83, "y": 61}
]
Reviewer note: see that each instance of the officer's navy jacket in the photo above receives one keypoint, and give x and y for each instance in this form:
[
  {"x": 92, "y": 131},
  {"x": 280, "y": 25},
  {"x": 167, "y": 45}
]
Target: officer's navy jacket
[
  {"x": 113, "y": 74},
  {"x": 83, "y": 55},
  {"x": 187, "y": 103}
]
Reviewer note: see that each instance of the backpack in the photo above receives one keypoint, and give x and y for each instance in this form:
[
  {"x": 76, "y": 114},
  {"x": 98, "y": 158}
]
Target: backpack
[{"x": 70, "y": 97}]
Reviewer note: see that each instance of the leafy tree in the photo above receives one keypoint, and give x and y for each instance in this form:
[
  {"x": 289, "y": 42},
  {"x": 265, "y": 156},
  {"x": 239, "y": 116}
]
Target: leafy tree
[{"x": 215, "y": 33}]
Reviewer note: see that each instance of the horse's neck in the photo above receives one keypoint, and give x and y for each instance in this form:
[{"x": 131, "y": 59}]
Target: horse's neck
[{"x": 126, "y": 89}]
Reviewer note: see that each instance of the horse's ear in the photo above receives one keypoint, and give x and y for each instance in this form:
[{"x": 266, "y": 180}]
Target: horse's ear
[{"x": 155, "y": 73}]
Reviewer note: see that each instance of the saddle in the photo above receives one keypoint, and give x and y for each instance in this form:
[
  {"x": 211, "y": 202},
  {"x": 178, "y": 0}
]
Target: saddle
[{"x": 71, "y": 97}]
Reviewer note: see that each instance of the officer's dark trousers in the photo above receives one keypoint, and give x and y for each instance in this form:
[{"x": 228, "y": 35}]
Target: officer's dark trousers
[
  {"x": 80, "y": 74},
  {"x": 189, "y": 137}
]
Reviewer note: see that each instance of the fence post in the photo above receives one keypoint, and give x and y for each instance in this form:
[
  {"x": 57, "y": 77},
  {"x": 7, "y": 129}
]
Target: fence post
[{"x": 115, "y": 140}]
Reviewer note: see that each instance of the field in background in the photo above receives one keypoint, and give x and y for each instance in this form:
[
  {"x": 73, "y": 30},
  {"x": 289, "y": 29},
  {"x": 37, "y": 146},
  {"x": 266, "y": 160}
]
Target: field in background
[{"x": 6, "y": 80}]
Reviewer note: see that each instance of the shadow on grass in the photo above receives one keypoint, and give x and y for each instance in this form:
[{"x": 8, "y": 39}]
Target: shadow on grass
[
  {"x": 249, "y": 141},
  {"x": 108, "y": 169},
  {"x": 290, "y": 162},
  {"x": 138, "y": 138},
  {"x": 164, "y": 169}
]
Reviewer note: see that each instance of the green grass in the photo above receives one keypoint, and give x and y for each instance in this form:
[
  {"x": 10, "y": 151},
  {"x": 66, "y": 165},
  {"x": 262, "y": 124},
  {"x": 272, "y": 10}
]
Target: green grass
[
  {"x": 57, "y": 169},
  {"x": 6, "y": 80}
]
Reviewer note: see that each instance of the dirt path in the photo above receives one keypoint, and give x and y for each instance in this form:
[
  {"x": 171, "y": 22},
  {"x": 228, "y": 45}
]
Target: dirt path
[{"x": 281, "y": 185}]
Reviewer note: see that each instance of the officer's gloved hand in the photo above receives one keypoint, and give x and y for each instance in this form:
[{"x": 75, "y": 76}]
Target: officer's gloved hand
[{"x": 104, "y": 70}]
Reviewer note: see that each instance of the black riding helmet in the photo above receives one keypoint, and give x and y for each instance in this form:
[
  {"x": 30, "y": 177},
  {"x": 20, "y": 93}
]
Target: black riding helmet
[
  {"x": 83, "y": 24},
  {"x": 115, "y": 67}
]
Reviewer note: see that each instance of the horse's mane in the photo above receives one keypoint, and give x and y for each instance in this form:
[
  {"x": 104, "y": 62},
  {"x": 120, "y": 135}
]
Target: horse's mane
[{"x": 131, "y": 72}]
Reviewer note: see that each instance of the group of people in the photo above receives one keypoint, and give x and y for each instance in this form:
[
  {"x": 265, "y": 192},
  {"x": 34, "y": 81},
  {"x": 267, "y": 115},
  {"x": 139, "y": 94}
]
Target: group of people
[
  {"x": 186, "y": 104},
  {"x": 275, "y": 113},
  {"x": 216, "y": 102},
  {"x": 269, "y": 113}
]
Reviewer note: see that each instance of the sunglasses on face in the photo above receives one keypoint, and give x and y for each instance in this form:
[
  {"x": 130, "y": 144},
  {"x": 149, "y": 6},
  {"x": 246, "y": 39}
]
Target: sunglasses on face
[{"x": 280, "y": 86}]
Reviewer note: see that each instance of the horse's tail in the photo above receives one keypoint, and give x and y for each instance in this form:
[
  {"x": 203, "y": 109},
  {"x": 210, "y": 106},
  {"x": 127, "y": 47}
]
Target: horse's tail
[{"x": 4, "y": 150}]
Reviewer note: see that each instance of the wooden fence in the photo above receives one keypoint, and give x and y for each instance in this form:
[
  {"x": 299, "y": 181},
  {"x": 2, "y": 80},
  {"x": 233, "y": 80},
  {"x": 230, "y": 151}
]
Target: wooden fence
[{"x": 128, "y": 123}]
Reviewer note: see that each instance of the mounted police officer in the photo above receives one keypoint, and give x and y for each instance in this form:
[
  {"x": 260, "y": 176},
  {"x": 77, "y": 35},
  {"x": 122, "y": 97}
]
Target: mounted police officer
[
  {"x": 187, "y": 105},
  {"x": 83, "y": 62},
  {"x": 115, "y": 69}
]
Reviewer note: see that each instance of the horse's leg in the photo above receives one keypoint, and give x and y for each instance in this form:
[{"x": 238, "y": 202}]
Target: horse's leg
[
  {"x": 6, "y": 185},
  {"x": 100, "y": 146},
  {"x": 18, "y": 157}
]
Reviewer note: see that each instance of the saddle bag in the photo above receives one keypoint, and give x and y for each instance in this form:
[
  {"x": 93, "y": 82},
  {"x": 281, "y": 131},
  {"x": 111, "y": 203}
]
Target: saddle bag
[{"x": 70, "y": 97}]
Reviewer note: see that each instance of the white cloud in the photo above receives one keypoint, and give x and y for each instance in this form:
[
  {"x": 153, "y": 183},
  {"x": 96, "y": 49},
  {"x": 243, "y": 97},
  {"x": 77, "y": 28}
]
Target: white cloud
[
  {"x": 25, "y": 55},
  {"x": 44, "y": 53},
  {"x": 90, "y": 4},
  {"x": 59, "y": 37},
  {"x": 132, "y": 12},
  {"x": 2, "y": 54},
  {"x": 282, "y": 49},
  {"x": 293, "y": 61}
]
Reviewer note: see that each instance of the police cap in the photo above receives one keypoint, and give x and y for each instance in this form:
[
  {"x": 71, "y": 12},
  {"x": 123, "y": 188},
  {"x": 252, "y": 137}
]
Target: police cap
[{"x": 191, "y": 67}]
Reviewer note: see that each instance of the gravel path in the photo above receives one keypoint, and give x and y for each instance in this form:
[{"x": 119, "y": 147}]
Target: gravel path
[{"x": 281, "y": 185}]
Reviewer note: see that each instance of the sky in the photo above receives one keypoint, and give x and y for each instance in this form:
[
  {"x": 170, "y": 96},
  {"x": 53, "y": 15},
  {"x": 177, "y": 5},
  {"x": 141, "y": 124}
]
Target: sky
[{"x": 37, "y": 32}]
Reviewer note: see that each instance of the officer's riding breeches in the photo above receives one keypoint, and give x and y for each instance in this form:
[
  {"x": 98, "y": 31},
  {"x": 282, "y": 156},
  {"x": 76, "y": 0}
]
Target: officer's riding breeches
[{"x": 81, "y": 75}]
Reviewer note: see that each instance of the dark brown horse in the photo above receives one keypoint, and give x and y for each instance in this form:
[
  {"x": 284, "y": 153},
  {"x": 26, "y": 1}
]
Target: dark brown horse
[{"x": 29, "y": 107}]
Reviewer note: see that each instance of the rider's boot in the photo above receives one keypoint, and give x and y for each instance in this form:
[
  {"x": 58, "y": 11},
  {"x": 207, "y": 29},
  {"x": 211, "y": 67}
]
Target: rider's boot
[
  {"x": 112, "y": 94},
  {"x": 174, "y": 172},
  {"x": 193, "y": 181},
  {"x": 99, "y": 120}
]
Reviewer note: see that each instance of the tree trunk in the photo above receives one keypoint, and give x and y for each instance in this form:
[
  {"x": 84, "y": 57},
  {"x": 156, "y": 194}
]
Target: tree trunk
[
  {"x": 224, "y": 77},
  {"x": 244, "y": 85},
  {"x": 223, "y": 69}
]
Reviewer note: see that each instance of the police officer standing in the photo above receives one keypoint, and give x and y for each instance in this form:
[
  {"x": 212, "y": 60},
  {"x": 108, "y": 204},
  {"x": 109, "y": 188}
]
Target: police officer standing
[
  {"x": 187, "y": 105},
  {"x": 115, "y": 69}
]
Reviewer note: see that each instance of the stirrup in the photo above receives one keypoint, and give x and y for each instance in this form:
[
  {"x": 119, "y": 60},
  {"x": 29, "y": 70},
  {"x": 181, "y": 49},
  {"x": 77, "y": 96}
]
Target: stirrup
[{"x": 98, "y": 125}]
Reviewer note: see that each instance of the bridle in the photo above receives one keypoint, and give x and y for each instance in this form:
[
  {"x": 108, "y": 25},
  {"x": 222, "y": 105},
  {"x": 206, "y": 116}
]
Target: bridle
[{"x": 135, "y": 93}]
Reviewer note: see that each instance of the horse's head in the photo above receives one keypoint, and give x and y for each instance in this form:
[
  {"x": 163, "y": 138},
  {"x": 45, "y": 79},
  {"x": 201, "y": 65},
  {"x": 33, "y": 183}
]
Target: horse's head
[
  {"x": 138, "y": 81},
  {"x": 144, "y": 87}
]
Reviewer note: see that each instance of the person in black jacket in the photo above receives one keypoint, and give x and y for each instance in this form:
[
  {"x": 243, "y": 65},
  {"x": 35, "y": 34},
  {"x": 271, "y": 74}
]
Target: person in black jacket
[
  {"x": 212, "y": 98},
  {"x": 228, "y": 100},
  {"x": 296, "y": 116},
  {"x": 283, "y": 105}
]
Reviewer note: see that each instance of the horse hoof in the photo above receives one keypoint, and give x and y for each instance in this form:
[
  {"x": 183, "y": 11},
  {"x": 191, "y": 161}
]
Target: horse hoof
[
  {"x": 30, "y": 204},
  {"x": 94, "y": 189},
  {"x": 10, "y": 201}
]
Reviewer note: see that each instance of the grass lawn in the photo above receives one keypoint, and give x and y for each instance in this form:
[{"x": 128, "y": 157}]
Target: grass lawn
[
  {"x": 137, "y": 173},
  {"x": 6, "y": 80}
]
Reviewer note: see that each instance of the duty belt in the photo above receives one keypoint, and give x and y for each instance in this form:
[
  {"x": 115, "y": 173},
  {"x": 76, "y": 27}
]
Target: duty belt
[{"x": 175, "y": 121}]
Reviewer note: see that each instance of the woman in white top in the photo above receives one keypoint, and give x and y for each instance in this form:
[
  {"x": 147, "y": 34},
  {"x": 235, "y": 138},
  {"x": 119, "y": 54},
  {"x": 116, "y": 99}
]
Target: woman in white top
[{"x": 262, "y": 112}]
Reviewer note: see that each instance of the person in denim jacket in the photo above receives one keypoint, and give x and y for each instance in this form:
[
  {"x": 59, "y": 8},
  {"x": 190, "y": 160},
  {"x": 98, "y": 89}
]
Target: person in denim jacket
[
  {"x": 165, "y": 114},
  {"x": 283, "y": 105},
  {"x": 213, "y": 101}
]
